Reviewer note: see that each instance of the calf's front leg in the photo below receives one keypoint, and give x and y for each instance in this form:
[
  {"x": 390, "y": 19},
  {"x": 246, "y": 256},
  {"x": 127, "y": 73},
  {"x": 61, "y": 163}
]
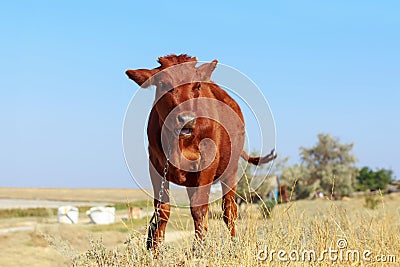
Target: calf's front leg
[
  {"x": 199, "y": 197},
  {"x": 156, "y": 232}
]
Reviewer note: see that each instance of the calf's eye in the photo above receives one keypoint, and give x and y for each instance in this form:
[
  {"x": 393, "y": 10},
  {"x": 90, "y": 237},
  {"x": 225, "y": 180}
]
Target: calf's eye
[{"x": 162, "y": 85}]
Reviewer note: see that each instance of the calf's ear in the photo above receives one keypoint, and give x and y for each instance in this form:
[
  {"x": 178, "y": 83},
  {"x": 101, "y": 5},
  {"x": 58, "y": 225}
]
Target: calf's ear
[
  {"x": 141, "y": 76},
  {"x": 203, "y": 72}
]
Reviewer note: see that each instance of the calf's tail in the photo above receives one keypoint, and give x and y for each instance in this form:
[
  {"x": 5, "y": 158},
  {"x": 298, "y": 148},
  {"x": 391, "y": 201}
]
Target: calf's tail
[{"x": 259, "y": 160}]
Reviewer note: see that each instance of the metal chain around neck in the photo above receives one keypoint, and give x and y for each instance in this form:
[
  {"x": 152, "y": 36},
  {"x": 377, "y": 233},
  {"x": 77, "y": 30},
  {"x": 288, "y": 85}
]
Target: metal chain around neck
[{"x": 163, "y": 181}]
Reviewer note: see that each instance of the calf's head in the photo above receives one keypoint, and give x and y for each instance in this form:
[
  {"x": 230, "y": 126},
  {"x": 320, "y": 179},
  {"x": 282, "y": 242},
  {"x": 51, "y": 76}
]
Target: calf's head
[{"x": 177, "y": 81}]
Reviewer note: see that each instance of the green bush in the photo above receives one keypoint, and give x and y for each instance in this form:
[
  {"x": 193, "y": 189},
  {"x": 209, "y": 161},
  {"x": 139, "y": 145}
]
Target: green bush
[
  {"x": 266, "y": 208},
  {"x": 371, "y": 202},
  {"x": 373, "y": 180},
  {"x": 30, "y": 212}
]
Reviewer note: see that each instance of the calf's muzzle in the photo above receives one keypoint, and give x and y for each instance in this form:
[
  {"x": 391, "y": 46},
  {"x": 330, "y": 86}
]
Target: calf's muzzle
[{"x": 186, "y": 122}]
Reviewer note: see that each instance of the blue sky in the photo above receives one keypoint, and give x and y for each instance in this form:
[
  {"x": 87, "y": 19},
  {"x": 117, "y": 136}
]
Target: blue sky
[{"x": 330, "y": 67}]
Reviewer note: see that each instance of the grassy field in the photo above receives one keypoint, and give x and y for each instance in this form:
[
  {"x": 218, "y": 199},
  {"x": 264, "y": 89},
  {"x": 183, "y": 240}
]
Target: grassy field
[{"x": 294, "y": 229}]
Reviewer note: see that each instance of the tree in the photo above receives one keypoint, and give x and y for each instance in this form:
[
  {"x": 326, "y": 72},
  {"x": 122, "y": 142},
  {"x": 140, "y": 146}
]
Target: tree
[
  {"x": 327, "y": 165},
  {"x": 373, "y": 180},
  {"x": 330, "y": 165}
]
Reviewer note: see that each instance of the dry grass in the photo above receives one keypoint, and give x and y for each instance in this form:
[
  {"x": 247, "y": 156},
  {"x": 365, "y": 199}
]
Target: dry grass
[
  {"x": 302, "y": 225},
  {"x": 296, "y": 227}
]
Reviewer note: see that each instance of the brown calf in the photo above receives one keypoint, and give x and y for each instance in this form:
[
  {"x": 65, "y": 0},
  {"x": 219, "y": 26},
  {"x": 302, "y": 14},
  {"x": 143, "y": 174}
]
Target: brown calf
[{"x": 196, "y": 136}]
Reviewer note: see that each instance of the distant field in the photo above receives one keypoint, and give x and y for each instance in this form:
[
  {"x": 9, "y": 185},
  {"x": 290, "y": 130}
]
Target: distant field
[
  {"x": 178, "y": 196},
  {"x": 74, "y": 194}
]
